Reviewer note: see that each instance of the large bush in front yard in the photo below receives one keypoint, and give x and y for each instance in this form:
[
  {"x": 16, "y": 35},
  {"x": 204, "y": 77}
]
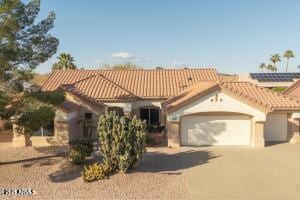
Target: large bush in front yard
[{"x": 122, "y": 141}]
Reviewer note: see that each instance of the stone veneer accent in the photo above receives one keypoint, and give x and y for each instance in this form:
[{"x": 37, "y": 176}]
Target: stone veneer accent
[
  {"x": 61, "y": 131},
  {"x": 173, "y": 134}
]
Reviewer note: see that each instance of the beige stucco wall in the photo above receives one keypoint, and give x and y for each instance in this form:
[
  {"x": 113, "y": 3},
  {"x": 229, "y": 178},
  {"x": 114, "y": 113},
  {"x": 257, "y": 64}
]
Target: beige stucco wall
[
  {"x": 258, "y": 139},
  {"x": 217, "y": 102}
]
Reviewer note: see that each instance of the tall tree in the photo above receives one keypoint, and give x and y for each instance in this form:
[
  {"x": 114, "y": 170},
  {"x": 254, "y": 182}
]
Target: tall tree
[
  {"x": 288, "y": 54},
  {"x": 65, "y": 62},
  {"x": 274, "y": 59},
  {"x": 270, "y": 67},
  {"x": 262, "y": 66},
  {"x": 24, "y": 44}
]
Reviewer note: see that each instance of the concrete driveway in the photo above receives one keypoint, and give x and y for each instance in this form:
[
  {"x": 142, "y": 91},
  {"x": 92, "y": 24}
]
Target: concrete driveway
[{"x": 243, "y": 173}]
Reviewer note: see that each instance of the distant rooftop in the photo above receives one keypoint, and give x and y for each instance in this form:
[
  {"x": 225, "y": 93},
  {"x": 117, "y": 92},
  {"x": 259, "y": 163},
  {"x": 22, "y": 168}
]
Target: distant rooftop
[{"x": 275, "y": 77}]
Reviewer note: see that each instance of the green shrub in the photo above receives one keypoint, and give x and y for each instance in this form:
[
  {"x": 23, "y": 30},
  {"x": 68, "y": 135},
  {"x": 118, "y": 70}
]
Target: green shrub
[
  {"x": 122, "y": 141},
  {"x": 79, "y": 152},
  {"x": 96, "y": 172},
  {"x": 77, "y": 156}
]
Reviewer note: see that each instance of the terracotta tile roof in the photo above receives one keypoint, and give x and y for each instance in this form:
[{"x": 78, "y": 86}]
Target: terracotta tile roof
[
  {"x": 146, "y": 84},
  {"x": 98, "y": 88},
  {"x": 291, "y": 88},
  {"x": 200, "y": 88},
  {"x": 250, "y": 92}
]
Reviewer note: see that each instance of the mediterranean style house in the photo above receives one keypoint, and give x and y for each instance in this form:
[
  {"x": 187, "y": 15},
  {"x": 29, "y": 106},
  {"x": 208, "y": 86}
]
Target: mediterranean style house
[{"x": 197, "y": 107}]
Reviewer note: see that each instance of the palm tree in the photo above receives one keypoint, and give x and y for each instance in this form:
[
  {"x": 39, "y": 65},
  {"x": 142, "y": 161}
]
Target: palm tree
[
  {"x": 288, "y": 54},
  {"x": 262, "y": 66},
  {"x": 270, "y": 67},
  {"x": 274, "y": 59},
  {"x": 65, "y": 62}
]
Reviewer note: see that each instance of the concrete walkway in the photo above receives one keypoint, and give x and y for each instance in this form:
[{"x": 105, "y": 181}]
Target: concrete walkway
[{"x": 245, "y": 173}]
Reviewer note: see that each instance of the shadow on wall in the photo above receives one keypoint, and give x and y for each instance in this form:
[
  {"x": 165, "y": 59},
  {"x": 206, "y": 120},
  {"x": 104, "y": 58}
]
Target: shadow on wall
[
  {"x": 204, "y": 133},
  {"x": 157, "y": 162}
]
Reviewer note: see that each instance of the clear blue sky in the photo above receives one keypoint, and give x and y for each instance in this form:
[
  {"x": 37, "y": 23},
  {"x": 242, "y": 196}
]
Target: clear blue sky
[{"x": 233, "y": 36}]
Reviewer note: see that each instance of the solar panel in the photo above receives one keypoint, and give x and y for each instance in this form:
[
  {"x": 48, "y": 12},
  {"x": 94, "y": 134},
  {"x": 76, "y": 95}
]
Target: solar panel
[{"x": 275, "y": 77}]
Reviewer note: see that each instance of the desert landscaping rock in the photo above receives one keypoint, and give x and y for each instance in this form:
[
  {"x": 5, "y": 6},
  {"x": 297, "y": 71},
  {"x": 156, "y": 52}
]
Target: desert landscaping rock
[{"x": 47, "y": 171}]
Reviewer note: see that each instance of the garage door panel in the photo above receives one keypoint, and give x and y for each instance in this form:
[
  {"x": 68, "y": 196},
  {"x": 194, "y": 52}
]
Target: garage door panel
[{"x": 215, "y": 130}]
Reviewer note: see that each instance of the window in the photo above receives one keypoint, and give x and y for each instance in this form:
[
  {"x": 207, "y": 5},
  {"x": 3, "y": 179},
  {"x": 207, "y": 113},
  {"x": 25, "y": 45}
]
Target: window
[
  {"x": 119, "y": 111},
  {"x": 87, "y": 125},
  {"x": 47, "y": 130},
  {"x": 87, "y": 116},
  {"x": 151, "y": 115}
]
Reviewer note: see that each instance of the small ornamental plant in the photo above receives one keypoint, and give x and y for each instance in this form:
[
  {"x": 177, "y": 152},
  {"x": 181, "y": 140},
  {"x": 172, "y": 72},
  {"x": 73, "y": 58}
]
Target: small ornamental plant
[{"x": 96, "y": 172}]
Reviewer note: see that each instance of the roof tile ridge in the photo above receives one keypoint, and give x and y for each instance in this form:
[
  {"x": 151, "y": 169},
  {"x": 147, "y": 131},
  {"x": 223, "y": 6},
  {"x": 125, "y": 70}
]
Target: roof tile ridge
[
  {"x": 88, "y": 77},
  {"x": 291, "y": 87},
  {"x": 226, "y": 86},
  {"x": 115, "y": 84},
  {"x": 275, "y": 93}
]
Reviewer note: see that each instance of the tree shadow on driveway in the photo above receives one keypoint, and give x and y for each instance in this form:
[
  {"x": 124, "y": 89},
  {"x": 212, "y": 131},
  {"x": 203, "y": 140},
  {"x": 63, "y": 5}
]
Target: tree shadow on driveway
[{"x": 159, "y": 162}]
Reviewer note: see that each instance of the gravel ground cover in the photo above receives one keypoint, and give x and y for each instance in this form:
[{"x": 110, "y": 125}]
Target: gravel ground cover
[{"x": 47, "y": 171}]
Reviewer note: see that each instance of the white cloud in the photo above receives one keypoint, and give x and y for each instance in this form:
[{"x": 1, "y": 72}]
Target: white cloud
[
  {"x": 177, "y": 63},
  {"x": 122, "y": 55}
]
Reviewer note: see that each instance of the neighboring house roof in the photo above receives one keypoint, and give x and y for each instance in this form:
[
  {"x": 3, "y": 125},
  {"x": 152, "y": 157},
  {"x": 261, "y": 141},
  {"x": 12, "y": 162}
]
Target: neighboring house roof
[
  {"x": 275, "y": 77},
  {"x": 248, "y": 91},
  {"x": 229, "y": 77},
  {"x": 128, "y": 84},
  {"x": 293, "y": 88}
]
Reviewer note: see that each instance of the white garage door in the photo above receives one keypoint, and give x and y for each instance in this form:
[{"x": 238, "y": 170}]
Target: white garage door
[
  {"x": 276, "y": 127},
  {"x": 215, "y": 130}
]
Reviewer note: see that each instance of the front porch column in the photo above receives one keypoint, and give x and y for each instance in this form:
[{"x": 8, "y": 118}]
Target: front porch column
[
  {"x": 258, "y": 139},
  {"x": 173, "y": 134},
  {"x": 294, "y": 135},
  {"x": 61, "y": 131}
]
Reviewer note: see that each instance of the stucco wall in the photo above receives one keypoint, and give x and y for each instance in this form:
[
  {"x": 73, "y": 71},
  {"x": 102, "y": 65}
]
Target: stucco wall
[{"x": 217, "y": 102}]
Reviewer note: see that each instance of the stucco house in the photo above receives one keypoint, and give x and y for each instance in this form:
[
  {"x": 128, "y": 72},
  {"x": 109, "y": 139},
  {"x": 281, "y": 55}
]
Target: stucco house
[{"x": 197, "y": 106}]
